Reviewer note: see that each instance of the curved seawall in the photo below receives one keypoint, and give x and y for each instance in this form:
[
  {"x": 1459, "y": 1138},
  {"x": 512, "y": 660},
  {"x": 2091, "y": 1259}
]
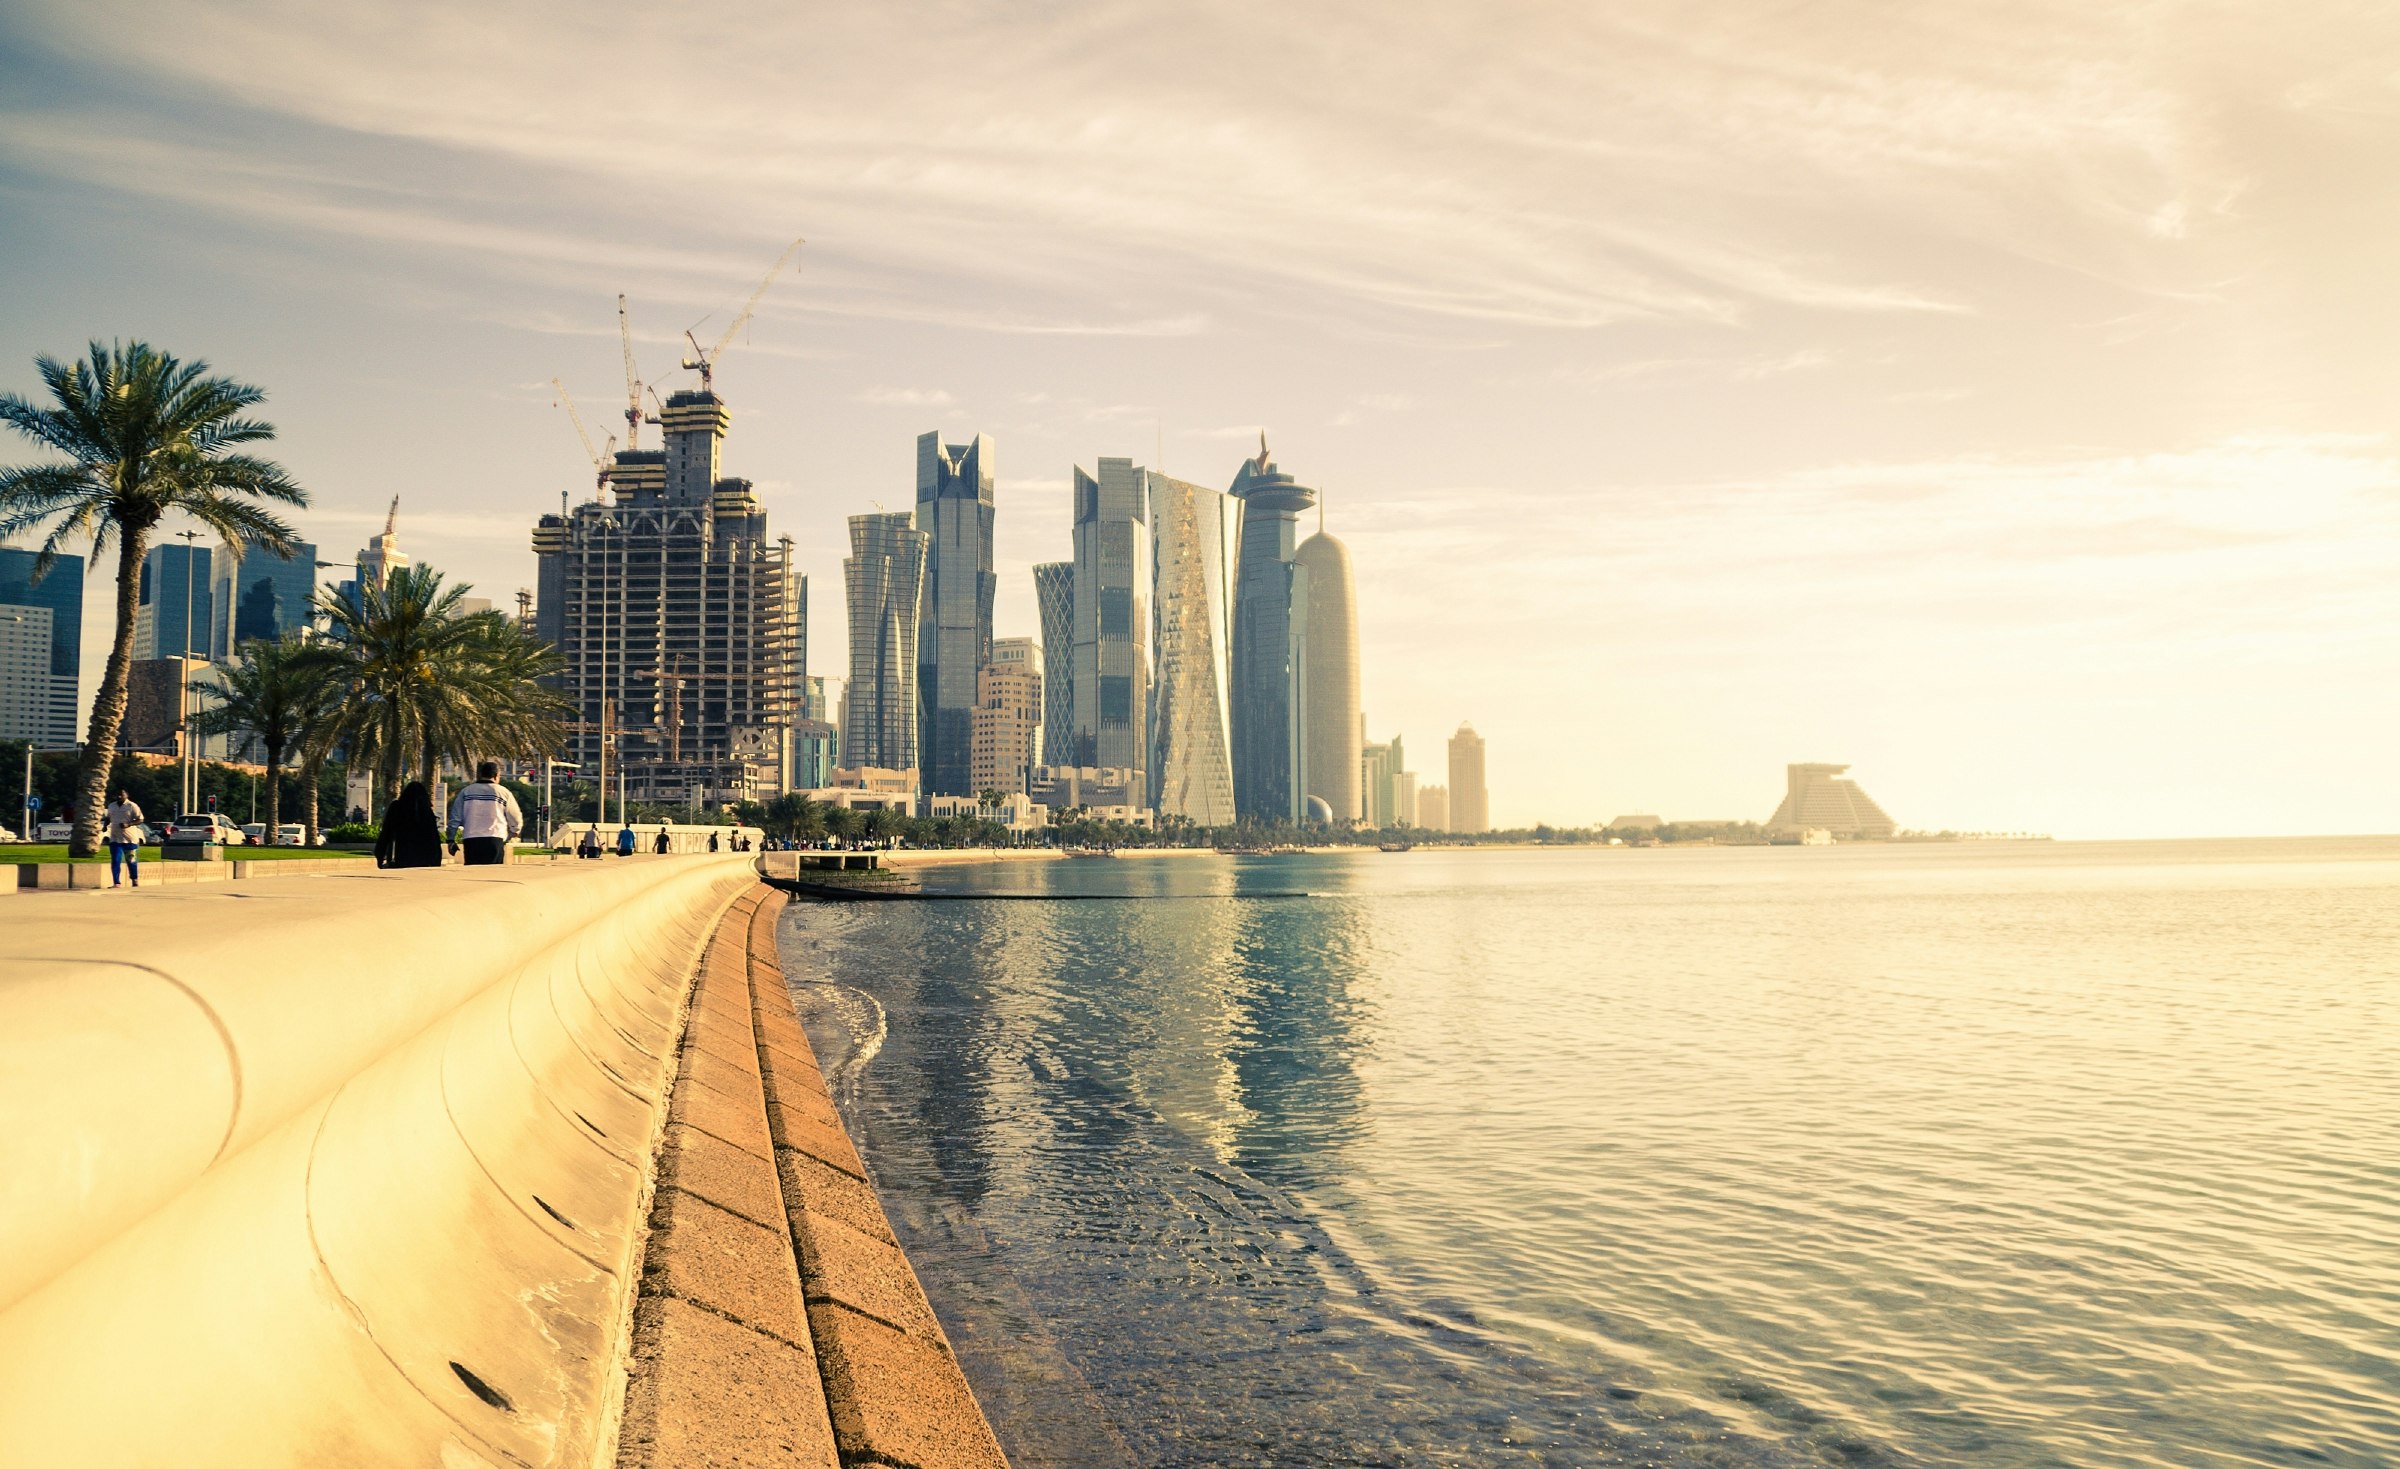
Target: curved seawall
[{"x": 367, "y": 1170}]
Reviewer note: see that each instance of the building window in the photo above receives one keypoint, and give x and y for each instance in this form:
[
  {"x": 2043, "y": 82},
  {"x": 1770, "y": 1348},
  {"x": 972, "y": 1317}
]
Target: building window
[
  {"x": 1116, "y": 700},
  {"x": 1116, "y": 612}
]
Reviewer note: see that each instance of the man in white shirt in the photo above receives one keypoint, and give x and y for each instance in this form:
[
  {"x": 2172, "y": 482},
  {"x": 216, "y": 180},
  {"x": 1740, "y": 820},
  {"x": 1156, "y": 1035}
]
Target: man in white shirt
[
  {"x": 123, "y": 823},
  {"x": 485, "y": 815}
]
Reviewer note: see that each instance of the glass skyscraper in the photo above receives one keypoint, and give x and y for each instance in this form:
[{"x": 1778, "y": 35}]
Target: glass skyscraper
[
  {"x": 177, "y": 604},
  {"x": 1265, "y": 716},
  {"x": 885, "y": 579},
  {"x": 61, "y": 592},
  {"x": 259, "y": 594},
  {"x": 1196, "y": 539},
  {"x": 1112, "y": 618},
  {"x": 954, "y": 631},
  {"x": 1054, "y": 593}
]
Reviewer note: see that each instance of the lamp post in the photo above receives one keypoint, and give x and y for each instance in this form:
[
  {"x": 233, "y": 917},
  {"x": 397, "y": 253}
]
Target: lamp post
[{"x": 183, "y": 685}]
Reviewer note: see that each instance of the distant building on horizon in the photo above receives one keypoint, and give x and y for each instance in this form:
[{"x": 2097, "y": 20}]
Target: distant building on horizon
[
  {"x": 1433, "y": 808},
  {"x": 1007, "y": 730},
  {"x": 1404, "y": 795},
  {"x": 59, "y": 593},
  {"x": 1112, "y": 620},
  {"x": 382, "y": 556},
  {"x": 1196, "y": 545},
  {"x": 1815, "y": 798},
  {"x": 258, "y": 594},
  {"x": 1325, "y": 631},
  {"x": 1470, "y": 803},
  {"x": 884, "y": 578},
  {"x": 1054, "y": 595},
  {"x": 1266, "y": 717},
  {"x": 954, "y": 627},
  {"x": 1382, "y": 773}
]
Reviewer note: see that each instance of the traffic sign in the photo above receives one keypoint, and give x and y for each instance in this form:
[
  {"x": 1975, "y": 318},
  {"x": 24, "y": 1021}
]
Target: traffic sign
[{"x": 33, "y": 803}]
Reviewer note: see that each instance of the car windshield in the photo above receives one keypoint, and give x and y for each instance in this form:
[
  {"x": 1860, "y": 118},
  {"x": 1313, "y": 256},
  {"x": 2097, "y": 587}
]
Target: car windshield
[{"x": 194, "y": 820}]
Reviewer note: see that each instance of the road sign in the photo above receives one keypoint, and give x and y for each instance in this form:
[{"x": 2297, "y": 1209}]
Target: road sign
[{"x": 33, "y": 803}]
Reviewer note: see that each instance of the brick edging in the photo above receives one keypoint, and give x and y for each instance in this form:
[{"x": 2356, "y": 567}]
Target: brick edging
[{"x": 778, "y": 1321}]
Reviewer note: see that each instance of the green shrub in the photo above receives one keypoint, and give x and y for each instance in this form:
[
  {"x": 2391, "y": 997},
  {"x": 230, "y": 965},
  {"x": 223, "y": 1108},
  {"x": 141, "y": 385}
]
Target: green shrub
[{"x": 350, "y": 831}]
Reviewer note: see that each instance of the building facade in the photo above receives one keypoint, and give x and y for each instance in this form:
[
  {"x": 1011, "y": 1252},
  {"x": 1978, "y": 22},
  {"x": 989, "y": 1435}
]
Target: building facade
[
  {"x": 1196, "y": 541},
  {"x": 682, "y": 625},
  {"x": 258, "y": 594},
  {"x": 27, "y": 688},
  {"x": 954, "y": 619},
  {"x": 816, "y": 739},
  {"x": 1433, "y": 807},
  {"x": 176, "y": 614},
  {"x": 381, "y": 556},
  {"x": 1816, "y": 797},
  {"x": 1008, "y": 717},
  {"x": 1378, "y": 783},
  {"x": 1470, "y": 805},
  {"x": 884, "y": 578},
  {"x": 1325, "y": 616},
  {"x": 1112, "y": 620},
  {"x": 1404, "y": 796},
  {"x": 1054, "y": 595},
  {"x": 60, "y": 593},
  {"x": 1264, "y": 717}
]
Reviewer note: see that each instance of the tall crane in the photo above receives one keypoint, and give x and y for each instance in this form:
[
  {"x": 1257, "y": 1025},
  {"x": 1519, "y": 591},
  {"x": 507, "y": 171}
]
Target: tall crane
[
  {"x": 704, "y": 362},
  {"x": 602, "y": 464},
  {"x": 633, "y": 381}
]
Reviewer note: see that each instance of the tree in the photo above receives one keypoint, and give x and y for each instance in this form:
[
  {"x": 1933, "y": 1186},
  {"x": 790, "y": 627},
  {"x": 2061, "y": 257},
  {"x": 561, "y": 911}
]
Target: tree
[
  {"x": 269, "y": 692},
  {"x": 145, "y": 435},
  {"x": 422, "y": 682}
]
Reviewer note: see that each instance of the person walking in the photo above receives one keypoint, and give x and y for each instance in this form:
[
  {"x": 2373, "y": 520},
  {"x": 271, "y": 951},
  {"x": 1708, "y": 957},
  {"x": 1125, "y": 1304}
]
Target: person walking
[
  {"x": 484, "y": 817},
  {"x": 712, "y": 841},
  {"x": 411, "y": 835},
  {"x": 123, "y": 820},
  {"x": 660, "y": 846},
  {"x": 588, "y": 845},
  {"x": 625, "y": 840}
]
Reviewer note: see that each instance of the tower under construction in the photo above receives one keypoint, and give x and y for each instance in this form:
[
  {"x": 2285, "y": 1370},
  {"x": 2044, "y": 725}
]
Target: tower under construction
[{"x": 683, "y": 627}]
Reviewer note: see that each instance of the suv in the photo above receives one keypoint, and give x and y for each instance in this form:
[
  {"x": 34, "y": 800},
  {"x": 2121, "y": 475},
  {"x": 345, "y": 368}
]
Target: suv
[{"x": 205, "y": 826}]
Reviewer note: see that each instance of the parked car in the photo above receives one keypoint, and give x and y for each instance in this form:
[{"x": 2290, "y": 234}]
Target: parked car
[
  {"x": 8, "y": 833},
  {"x": 295, "y": 834},
  {"x": 254, "y": 833},
  {"x": 205, "y": 826}
]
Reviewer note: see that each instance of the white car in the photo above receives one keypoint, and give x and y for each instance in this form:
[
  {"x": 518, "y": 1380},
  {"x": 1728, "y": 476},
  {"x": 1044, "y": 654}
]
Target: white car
[
  {"x": 207, "y": 826},
  {"x": 295, "y": 834}
]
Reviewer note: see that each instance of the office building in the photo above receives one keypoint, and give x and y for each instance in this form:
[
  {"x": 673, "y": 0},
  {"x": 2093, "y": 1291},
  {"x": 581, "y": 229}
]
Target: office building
[
  {"x": 160, "y": 694},
  {"x": 1008, "y": 717},
  {"x": 1470, "y": 804},
  {"x": 60, "y": 593},
  {"x": 1265, "y": 718},
  {"x": 1404, "y": 796},
  {"x": 1097, "y": 793},
  {"x": 1325, "y": 633},
  {"x": 954, "y": 619},
  {"x": 1815, "y": 797},
  {"x": 816, "y": 738},
  {"x": 27, "y": 687},
  {"x": 382, "y": 555},
  {"x": 1433, "y": 808},
  {"x": 1054, "y": 593},
  {"x": 884, "y": 578},
  {"x": 1112, "y": 620},
  {"x": 1196, "y": 545},
  {"x": 175, "y": 614},
  {"x": 682, "y": 625},
  {"x": 1379, "y": 783},
  {"x": 258, "y": 594}
]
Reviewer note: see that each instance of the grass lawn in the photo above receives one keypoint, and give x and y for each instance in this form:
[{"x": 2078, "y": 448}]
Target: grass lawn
[{"x": 57, "y": 852}]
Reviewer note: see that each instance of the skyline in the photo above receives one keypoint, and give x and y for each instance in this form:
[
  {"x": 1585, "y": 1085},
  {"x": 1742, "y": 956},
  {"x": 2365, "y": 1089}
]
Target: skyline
[{"x": 2000, "y": 414}]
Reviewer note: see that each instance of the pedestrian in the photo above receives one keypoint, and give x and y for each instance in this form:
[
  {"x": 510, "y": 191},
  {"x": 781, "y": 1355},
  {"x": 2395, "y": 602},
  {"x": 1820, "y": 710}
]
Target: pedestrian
[
  {"x": 411, "y": 835},
  {"x": 625, "y": 840},
  {"x": 588, "y": 845},
  {"x": 712, "y": 841},
  {"x": 124, "y": 822},
  {"x": 660, "y": 846},
  {"x": 486, "y": 816}
]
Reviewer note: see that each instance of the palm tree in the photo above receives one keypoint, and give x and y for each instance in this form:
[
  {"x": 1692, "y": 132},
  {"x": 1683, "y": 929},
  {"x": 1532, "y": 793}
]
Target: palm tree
[
  {"x": 145, "y": 435},
  {"x": 270, "y": 693},
  {"x": 422, "y": 682}
]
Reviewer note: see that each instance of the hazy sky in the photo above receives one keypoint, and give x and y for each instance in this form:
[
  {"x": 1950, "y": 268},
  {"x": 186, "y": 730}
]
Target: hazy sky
[{"x": 1999, "y": 398}]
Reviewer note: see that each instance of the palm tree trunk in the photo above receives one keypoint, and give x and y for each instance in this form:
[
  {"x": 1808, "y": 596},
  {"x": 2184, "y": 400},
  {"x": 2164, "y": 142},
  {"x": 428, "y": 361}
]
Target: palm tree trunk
[
  {"x": 274, "y": 793},
  {"x": 108, "y": 706}
]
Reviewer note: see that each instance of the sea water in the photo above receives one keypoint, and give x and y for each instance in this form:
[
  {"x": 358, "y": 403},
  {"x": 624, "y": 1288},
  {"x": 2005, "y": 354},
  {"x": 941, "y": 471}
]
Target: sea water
[{"x": 1990, "y": 1154}]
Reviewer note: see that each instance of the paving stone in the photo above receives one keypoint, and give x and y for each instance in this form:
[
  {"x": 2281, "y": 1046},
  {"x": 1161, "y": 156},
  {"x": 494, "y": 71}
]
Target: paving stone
[
  {"x": 729, "y": 1076},
  {"x": 813, "y": 1129},
  {"x": 869, "y": 1275},
  {"x": 716, "y": 1258},
  {"x": 897, "y": 1400},
  {"x": 824, "y": 1190},
  {"x": 790, "y": 1071},
  {"x": 722, "y": 1036},
  {"x": 704, "y": 1393},
  {"x": 708, "y": 1166},
  {"x": 736, "y": 1120}
]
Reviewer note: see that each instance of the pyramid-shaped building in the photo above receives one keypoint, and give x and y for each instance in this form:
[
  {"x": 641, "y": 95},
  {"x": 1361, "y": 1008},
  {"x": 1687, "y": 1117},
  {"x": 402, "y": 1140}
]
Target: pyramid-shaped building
[{"x": 1816, "y": 796}]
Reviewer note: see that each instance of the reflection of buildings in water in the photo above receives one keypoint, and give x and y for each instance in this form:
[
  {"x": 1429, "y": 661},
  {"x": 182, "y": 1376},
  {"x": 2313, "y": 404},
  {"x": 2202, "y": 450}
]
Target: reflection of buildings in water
[
  {"x": 1299, "y": 1028},
  {"x": 1178, "y": 1017}
]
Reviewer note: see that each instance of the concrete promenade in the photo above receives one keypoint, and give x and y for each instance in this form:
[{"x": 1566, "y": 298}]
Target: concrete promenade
[{"x": 454, "y": 1167}]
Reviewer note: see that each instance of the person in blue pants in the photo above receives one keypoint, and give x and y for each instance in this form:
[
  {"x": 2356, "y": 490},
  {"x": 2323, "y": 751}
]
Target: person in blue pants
[{"x": 123, "y": 819}]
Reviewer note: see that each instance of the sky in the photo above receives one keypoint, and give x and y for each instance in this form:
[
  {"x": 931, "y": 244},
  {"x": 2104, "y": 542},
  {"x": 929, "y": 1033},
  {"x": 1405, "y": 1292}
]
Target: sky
[{"x": 1998, "y": 398}]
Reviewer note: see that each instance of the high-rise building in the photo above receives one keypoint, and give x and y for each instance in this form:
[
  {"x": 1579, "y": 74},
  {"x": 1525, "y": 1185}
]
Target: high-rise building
[
  {"x": 1404, "y": 796},
  {"x": 27, "y": 688},
  {"x": 1054, "y": 593},
  {"x": 60, "y": 592},
  {"x": 1379, "y": 764},
  {"x": 885, "y": 579},
  {"x": 1008, "y": 717},
  {"x": 682, "y": 625},
  {"x": 382, "y": 556},
  {"x": 258, "y": 594},
  {"x": 1112, "y": 620},
  {"x": 954, "y": 619},
  {"x": 175, "y": 614},
  {"x": 1470, "y": 804},
  {"x": 1265, "y": 718},
  {"x": 1325, "y": 617},
  {"x": 1433, "y": 807},
  {"x": 816, "y": 739},
  {"x": 1816, "y": 797},
  {"x": 1196, "y": 534}
]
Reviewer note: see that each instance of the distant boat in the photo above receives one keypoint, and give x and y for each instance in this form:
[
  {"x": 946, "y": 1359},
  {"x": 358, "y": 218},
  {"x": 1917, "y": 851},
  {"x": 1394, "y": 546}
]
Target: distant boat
[
  {"x": 1395, "y": 846},
  {"x": 1814, "y": 836},
  {"x": 1091, "y": 851}
]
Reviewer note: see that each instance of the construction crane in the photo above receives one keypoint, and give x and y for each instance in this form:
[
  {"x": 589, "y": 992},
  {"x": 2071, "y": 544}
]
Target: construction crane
[
  {"x": 602, "y": 464},
  {"x": 633, "y": 381},
  {"x": 704, "y": 362}
]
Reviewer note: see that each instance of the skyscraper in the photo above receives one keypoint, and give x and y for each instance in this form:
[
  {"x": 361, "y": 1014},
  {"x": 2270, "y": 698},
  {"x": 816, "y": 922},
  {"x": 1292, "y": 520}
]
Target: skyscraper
[
  {"x": 682, "y": 624},
  {"x": 27, "y": 689},
  {"x": 954, "y": 620},
  {"x": 1112, "y": 619},
  {"x": 1433, "y": 807},
  {"x": 1470, "y": 806},
  {"x": 382, "y": 555},
  {"x": 1197, "y": 539},
  {"x": 1379, "y": 764},
  {"x": 885, "y": 579},
  {"x": 61, "y": 593},
  {"x": 1008, "y": 717},
  {"x": 1815, "y": 796},
  {"x": 175, "y": 603},
  {"x": 1325, "y": 611},
  {"x": 259, "y": 594},
  {"x": 1265, "y": 719},
  {"x": 1054, "y": 592}
]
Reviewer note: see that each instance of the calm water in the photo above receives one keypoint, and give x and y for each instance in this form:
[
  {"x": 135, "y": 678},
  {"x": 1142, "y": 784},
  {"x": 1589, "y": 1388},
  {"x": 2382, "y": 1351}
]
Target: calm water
[{"x": 1997, "y": 1155}]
